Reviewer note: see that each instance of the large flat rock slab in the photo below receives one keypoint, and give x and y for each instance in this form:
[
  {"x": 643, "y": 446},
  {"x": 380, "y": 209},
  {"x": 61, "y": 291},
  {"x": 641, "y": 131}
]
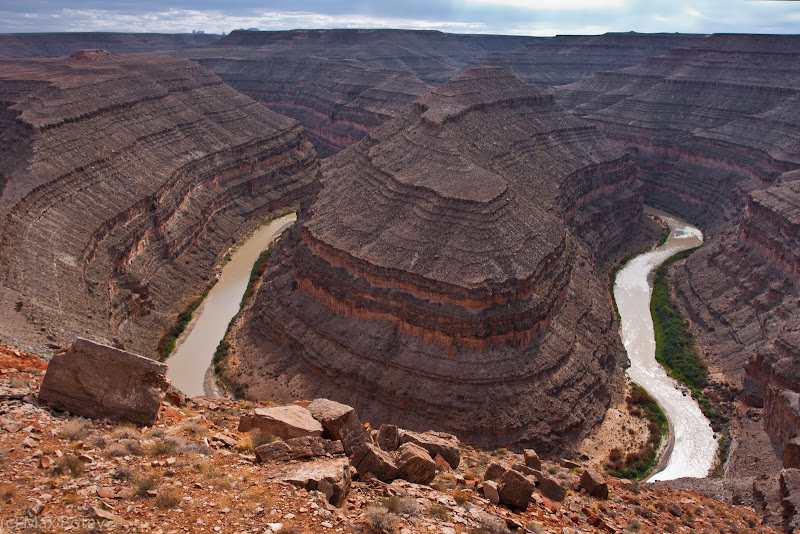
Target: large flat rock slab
[
  {"x": 285, "y": 422},
  {"x": 98, "y": 381},
  {"x": 329, "y": 476}
]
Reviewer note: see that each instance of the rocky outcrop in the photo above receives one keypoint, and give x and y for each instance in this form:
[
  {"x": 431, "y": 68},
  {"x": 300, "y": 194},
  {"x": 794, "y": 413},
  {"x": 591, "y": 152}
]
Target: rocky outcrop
[
  {"x": 448, "y": 259},
  {"x": 714, "y": 134},
  {"x": 124, "y": 182},
  {"x": 297, "y": 448},
  {"x": 97, "y": 381}
]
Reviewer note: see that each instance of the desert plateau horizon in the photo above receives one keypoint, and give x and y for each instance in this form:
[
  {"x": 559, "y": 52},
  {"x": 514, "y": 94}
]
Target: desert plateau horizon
[{"x": 372, "y": 279}]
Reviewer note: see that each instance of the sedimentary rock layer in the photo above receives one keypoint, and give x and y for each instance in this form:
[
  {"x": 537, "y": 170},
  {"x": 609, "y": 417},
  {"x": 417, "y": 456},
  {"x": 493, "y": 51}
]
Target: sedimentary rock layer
[
  {"x": 445, "y": 275},
  {"x": 716, "y": 137},
  {"x": 30, "y": 45},
  {"x": 122, "y": 182},
  {"x": 563, "y": 59}
]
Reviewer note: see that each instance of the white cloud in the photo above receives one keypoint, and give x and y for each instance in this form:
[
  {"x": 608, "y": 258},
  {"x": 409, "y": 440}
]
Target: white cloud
[{"x": 553, "y": 5}]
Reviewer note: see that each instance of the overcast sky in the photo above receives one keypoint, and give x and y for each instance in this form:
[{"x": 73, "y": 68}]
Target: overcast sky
[{"x": 526, "y": 17}]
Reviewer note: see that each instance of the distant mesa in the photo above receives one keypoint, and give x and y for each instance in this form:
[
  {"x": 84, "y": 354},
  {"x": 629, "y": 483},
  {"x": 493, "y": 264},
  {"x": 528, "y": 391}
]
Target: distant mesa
[{"x": 444, "y": 275}]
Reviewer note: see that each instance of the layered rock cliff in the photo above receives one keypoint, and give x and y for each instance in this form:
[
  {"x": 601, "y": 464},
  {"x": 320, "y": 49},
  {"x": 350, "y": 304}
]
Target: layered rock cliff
[
  {"x": 714, "y": 130},
  {"x": 29, "y": 45},
  {"x": 123, "y": 181},
  {"x": 444, "y": 276},
  {"x": 563, "y": 59}
]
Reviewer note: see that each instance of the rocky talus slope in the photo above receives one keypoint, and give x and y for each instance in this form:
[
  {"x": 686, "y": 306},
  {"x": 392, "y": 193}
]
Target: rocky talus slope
[
  {"x": 715, "y": 133},
  {"x": 194, "y": 471},
  {"x": 446, "y": 272},
  {"x": 123, "y": 181}
]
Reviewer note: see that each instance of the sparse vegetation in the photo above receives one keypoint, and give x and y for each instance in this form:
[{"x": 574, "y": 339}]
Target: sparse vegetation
[
  {"x": 7, "y": 492},
  {"x": 167, "y": 342},
  {"x": 168, "y": 497},
  {"x": 68, "y": 464},
  {"x": 144, "y": 482},
  {"x": 399, "y": 505},
  {"x": 637, "y": 464},
  {"x": 165, "y": 446},
  {"x": 75, "y": 429},
  {"x": 461, "y": 497},
  {"x": 438, "y": 511},
  {"x": 676, "y": 351},
  {"x": 381, "y": 520}
]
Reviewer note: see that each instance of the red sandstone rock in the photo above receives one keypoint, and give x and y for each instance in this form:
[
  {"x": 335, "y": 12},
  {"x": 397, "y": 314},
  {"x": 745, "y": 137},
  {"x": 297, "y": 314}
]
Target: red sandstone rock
[
  {"x": 340, "y": 422},
  {"x": 369, "y": 459},
  {"x": 594, "y": 483},
  {"x": 284, "y": 422},
  {"x": 414, "y": 464},
  {"x": 532, "y": 459},
  {"x": 98, "y": 381},
  {"x": 329, "y": 476},
  {"x": 296, "y": 448},
  {"x": 515, "y": 490}
]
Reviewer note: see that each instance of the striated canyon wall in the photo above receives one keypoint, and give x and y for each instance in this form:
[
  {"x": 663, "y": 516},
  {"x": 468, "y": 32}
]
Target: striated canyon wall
[
  {"x": 445, "y": 273},
  {"x": 124, "y": 181},
  {"x": 29, "y": 45},
  {"x": 714, "y": 132}
]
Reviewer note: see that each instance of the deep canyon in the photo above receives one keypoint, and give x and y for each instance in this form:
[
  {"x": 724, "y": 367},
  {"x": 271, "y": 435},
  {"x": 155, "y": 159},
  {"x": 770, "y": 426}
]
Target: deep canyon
[{"x": 455, "y": 241}]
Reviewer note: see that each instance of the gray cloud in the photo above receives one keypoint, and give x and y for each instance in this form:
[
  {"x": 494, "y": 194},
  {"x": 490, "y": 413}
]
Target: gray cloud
[{"x": 529, "y": 17}]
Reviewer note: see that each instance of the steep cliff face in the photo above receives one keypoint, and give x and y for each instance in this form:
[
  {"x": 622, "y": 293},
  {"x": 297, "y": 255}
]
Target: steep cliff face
[
  {"x": 563, "y": 59},
  {"x": 124, "y": 181},
  {"x": 29, "y": 45},
  {"x": 445, "y": 272},
  {"x": 716, "y": 137}
]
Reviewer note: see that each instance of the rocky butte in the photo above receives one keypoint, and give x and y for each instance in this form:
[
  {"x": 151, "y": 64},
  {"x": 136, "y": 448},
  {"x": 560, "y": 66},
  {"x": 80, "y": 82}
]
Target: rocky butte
[
  {"x": 123, "y": 181},
  {"x": 445, "y": 274}
]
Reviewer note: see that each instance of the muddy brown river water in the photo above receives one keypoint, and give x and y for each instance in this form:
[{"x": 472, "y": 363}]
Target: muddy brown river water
[
  {"x": 692, "y": 448},
  {"x": 195, "y": 349}
]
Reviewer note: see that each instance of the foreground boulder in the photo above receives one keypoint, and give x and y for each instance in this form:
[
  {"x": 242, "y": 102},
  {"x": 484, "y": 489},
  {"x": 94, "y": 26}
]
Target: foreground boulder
[
  {"x": 369, "y": 459},
  {"x": 329, "y": 476},
  {"x": 532, "y": 459},
  {"x": 594, "y": 483},
  {"x": 296, "y": 448},
  {"x": 285, "y": 422},
  {"x": 98, "y": 381},
  {"x": 442, "y": 444},
  {"x": 415, "y": 464},
  {"x": 552, "y": 489},
  {"x": 516, "y": 490},
  {"x": 340, "y": 422}
]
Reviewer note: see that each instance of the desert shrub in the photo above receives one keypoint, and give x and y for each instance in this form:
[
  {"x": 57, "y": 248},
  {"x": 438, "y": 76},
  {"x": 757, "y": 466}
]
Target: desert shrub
[
  {"x": 634, "y": 525},
  {"x": 195, "y": 430},
  {"x": 144, "y": 482},
  {"x": 75, "y": 429},
  {"x": 493, "y": 524},
  {"x": 123, "y": 473},
  {"x": 68, "y": 464},
  {"x": 399, "y": 505},
  {"x": 381, "y": 520},
  {"x": 168, "y": 497},
  {"x": 197, "y": 448},
  {"x": 461, "y": 496},
  {"x": 165, "y": 446},
  {"x": 117, "y": 449},
  {"x": 7, "y": 492},
  {"x": 133, "y": 446},
  {"x": 438, "y": 511},
  {"x": 126, "y": 431}
]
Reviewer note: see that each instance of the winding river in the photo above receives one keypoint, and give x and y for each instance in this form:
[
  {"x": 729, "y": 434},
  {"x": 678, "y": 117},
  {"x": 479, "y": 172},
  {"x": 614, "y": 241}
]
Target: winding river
[
  {"x": 692, "y": 447},
  {"x": 195, "y": 348}
]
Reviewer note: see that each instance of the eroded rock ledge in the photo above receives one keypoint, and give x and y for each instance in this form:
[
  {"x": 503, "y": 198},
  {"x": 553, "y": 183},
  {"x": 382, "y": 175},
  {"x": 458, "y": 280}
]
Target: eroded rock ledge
[
  {"x": 123, "y": 181},
  {"x": 444, "y": 273}
]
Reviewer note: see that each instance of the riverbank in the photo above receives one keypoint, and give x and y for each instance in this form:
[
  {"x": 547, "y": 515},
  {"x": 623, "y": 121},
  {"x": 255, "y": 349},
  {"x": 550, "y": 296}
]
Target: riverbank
[
  {"x": 195, "y": 348},
  {"x": 692, "y": 438}
]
